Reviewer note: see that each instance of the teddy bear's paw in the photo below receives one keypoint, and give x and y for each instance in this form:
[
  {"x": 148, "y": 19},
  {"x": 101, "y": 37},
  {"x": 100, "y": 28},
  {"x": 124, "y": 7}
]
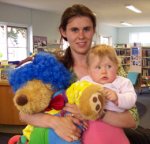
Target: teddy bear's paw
[{"x": 95, "y": 103}]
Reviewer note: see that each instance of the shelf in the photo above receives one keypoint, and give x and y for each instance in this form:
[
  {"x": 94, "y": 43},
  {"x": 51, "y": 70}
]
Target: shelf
[
  {"x": 145, "y": 61},
  {"x": 125, "y": 56},
  {"x": 9, "y": 113}
]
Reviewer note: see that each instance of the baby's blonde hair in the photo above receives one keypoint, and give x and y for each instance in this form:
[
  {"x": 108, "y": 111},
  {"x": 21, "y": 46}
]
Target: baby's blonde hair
[{"x": 102, "y": 51}]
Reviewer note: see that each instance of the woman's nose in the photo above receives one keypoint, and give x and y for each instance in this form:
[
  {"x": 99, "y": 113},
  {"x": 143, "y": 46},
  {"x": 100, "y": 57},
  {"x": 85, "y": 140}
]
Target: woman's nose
[{"x": 81, "y": 34}]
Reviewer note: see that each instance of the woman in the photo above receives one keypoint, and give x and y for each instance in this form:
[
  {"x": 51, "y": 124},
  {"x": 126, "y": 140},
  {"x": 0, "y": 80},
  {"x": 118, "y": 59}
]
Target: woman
[{"x": 77, "y": 26}]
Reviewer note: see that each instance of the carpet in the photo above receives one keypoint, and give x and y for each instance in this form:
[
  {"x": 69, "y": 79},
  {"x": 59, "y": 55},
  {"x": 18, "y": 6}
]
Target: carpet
[
  {"x": 141, "y": 109},
  {"x": 4, "y": 137}
]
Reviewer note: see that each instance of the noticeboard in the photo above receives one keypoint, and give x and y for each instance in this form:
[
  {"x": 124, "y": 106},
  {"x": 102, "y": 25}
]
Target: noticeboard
[{"x": 136, "y": 58}]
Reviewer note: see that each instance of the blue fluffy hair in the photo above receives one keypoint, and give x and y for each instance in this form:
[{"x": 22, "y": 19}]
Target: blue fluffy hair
[{"x": 44, "y": 67}]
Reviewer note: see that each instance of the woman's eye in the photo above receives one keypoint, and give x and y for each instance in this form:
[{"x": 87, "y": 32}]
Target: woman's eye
[
  {"x": 74, "y": 29},
  {"x": 87, "y": 29}
]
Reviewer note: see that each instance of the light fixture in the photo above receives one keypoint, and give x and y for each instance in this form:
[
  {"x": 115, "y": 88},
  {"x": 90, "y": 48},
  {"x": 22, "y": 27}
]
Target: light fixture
[
  {"x": 126, "y": 24},
  {"x": 134, "y": 9}
]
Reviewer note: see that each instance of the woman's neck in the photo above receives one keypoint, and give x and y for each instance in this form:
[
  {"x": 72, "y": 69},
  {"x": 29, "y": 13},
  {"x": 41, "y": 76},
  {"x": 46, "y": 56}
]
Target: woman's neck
[{"x": 80, "y": 66}]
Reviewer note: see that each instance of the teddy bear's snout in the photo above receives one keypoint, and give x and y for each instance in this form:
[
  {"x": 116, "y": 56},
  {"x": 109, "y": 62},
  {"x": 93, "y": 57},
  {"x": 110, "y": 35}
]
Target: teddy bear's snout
[{"x": 22, "y": 100}]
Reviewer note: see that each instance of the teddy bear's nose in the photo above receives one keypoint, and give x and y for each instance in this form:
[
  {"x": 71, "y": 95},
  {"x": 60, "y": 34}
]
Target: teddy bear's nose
[{"x": 22, "y": 100}]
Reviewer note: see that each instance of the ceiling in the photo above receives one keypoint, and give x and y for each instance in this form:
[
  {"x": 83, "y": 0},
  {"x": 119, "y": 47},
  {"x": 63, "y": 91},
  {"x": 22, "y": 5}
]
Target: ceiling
[{"x": 110, "y": 12}]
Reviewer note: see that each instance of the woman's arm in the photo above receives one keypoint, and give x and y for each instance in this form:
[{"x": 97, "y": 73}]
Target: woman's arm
[
  {"x": 123, "y": 119},
  {"x": 127, "y": 119},
  {"x": 63, "y": 126}
]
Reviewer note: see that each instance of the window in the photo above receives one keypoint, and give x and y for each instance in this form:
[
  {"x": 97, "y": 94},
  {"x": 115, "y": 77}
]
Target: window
[
  {"x": 140, "y": 37},
  {"x": 106, "y": 40},
  {"x": 13, "y": 42},
  {"x": 64, "y": 44}
]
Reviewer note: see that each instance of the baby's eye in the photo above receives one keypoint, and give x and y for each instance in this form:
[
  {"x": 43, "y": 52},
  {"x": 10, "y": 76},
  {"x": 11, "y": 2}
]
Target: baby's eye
[
  {"x": 108, "y": 66},
  {"x": 98, "y": 67}
]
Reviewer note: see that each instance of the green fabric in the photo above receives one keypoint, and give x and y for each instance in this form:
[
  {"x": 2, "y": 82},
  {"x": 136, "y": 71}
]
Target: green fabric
[
  {"x": 23, "y": 139},
  {"x": 74, "y": 77},
  {"x": 135, "y": 115},
  {"x": 39, "y": 136},
  {"x": 121, "y": 71}
]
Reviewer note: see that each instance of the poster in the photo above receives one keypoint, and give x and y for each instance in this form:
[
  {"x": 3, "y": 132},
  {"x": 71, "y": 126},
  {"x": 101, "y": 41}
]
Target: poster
[
  {"x": 39, "y": 43},
  {"x": 136, "y": 63}
]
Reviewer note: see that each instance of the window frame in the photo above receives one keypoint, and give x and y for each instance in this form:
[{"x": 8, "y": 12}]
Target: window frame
[{"x": 29, "y": 38}]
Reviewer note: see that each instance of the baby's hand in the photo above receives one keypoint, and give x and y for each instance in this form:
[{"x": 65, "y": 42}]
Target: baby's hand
[{"x": 111, "y": 95}]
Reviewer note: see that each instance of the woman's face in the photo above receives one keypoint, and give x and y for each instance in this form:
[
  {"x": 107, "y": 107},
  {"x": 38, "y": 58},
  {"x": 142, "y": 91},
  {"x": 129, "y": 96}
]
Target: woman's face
[{"x": 79, "y": 33}]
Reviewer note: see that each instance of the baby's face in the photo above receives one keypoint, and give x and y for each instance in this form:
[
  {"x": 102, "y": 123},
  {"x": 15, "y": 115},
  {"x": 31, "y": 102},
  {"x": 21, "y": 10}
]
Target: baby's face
[{"x": 102, "y": 70}]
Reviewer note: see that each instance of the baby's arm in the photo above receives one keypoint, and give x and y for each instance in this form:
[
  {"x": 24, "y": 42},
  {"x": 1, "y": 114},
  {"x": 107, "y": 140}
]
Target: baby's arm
[{"x": 126, "y": 94}]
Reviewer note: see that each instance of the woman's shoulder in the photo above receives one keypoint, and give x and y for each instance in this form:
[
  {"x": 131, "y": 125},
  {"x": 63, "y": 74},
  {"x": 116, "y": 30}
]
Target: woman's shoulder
[{"x": 87, "y": 77}]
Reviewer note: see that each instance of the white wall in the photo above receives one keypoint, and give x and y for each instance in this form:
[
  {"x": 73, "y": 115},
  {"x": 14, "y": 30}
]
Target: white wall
[
  {"x": 107, "y": 31},
  {"x": 123, "y": 33},
  {"x": 13, "y": 14},
  {"x": 43, "y": 23},
  {"x": 46, "y": 24}
]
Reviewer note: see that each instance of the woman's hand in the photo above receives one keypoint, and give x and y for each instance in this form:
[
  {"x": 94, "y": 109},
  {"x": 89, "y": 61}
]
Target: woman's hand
[
  {"x": 75, "y": 112},
  {"x": 65, "y": 127},
  {"x": 73, "y": 109}
]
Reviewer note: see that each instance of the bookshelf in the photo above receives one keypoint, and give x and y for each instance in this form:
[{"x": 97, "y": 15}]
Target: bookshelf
[
  {"x": 145, "y": 66},
  {"x": 124, "y": 54}
]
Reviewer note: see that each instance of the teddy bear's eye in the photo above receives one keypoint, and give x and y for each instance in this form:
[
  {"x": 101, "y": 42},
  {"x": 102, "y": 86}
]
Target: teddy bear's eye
[{"x": 94, "y": 99}]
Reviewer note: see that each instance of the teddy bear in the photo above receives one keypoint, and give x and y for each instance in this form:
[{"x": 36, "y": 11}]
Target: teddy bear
[{"x": 40, "y": 86}]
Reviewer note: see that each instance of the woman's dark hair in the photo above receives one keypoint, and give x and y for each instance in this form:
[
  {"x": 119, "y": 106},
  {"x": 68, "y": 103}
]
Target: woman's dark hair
[{"x": 74, "y": 11}]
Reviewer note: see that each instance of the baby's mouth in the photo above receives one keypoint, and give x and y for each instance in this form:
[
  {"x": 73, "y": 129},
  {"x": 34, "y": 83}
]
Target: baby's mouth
[{"x": 104, "y": 78}]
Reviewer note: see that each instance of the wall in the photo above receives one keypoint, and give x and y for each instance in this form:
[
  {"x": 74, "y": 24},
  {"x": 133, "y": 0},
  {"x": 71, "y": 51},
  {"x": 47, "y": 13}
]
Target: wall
[
  {"x": 43, "y": 23},
  {"x": 46, "y": 24},
  {"x": 123, "y": 33},
  {"x": 13, "y": 14},
  {"x": 107, "y": 30}
]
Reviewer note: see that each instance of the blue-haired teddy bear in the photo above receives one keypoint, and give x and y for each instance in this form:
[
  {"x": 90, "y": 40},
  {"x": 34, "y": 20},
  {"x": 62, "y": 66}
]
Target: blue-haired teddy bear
[{"x": 40, "y": 86}]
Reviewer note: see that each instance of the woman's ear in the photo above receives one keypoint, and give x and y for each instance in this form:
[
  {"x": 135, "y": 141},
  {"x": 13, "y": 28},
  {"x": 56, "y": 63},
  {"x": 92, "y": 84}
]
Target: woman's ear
[
  {"x": 94, "y": 31},
  {"x": 62, "y": 32}
]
